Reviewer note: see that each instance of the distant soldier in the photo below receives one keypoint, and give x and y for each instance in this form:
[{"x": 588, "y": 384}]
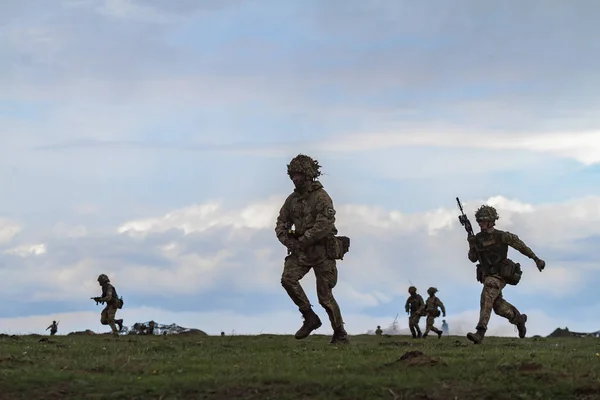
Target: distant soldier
[
  {"x": 151, "y": 327},
  {"x": 495, "y": 270},
  {"x": 431, "y": 311},
  {"x": 445, "y": 330},
  {"x": 414, "y": 305},
  {"x": 113, "y": 303},
  {"x": 313, "y": 244},
  {"x": 53, "y": 328},
  {"x": 378, "y": 332}
]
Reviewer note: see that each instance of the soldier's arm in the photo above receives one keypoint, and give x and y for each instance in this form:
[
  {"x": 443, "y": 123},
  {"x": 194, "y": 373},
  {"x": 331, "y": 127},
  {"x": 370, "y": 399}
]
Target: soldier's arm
[
  {"x": 440, "y": 304},
  {"x": 283, "y": 218},
  {"x": 421, "y": 303},
  {"x": 513, "y": 241},
  {"x": 472, "y": 255},
  {"x": 407, "y": 304},
  {"x": 109, "y": 295},
  {"x": 324, "y": 222}
]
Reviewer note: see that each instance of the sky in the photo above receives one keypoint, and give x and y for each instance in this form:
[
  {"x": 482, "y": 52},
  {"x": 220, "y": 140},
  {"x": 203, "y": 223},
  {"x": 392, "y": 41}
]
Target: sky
[{"x": 148, "y": 140}]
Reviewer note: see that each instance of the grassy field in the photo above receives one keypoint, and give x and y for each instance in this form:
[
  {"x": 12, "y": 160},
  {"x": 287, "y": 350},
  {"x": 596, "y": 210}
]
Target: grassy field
[{"x": 279, "y": 367}]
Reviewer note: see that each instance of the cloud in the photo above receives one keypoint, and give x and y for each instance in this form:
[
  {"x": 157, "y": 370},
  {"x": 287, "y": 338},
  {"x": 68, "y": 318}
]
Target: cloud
[
  {"x": 27, "y": 250},
  {"x": 208, "y": 254},
  {"x": 8, "y": 230}
]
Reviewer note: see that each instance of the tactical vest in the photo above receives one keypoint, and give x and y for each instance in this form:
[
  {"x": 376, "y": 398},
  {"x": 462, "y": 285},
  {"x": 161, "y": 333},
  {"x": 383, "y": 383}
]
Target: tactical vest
[
  {"x": 494, "y": 257},
  {"x": 493, "y": 252},
  {"x": 414, "y": 303}
]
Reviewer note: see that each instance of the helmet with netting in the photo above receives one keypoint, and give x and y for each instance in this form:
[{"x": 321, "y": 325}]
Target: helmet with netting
[
  {"x": 486, "y": 213},
  {"x": 305, "y": 165}
]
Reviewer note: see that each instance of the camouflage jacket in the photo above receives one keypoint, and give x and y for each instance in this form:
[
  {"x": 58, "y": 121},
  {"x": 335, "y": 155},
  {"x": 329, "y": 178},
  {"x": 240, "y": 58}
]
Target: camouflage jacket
[
  {"x": 313, "y": 215},
  {"x": 109, "y": 295},
  {"x": 414, "y": 304},
  {"x": 432, "y": 304},
  {"x": 493, "y": 248}
]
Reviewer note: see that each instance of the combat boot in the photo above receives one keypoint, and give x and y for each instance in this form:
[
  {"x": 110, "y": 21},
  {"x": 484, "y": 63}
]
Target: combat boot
[
  {"x": 339, "y": 336},
  {"x": 413, "y": 332},
  {"x": 439, "y": 333},
  {"x": 419, "y": 334},
  {"x": 476, "y": 337},
  {"x": 425, "y": 335},
  {"x": 120, "y": 323},
  {"x": 311, "y": 322},
  {"x": 521, "y": 325}
]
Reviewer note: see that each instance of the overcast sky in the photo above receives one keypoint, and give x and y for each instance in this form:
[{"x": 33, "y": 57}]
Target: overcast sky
[{"x": 148, "y": 140}]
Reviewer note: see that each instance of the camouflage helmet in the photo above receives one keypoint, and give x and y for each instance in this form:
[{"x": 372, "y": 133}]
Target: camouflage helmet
[
  {"x": 412, "y": 290},
  {"x": 305, "y": 165},
  {"x": 432, "y": 290},
  {"x": 102, "y": 278},
  {"x": 486, "y": 213}
]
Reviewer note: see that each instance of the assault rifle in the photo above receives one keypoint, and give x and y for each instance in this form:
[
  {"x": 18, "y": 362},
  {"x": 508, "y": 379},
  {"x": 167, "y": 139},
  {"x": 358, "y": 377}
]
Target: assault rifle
[
  {"x": 464, "y": 221},
  {"x": 97, "y": 300}
]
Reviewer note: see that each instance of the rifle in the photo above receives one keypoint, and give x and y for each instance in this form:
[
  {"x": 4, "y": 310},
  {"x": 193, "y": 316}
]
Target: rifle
[
  {"x": 97, "y": 300},
  {"x": 464, "y": 221}
]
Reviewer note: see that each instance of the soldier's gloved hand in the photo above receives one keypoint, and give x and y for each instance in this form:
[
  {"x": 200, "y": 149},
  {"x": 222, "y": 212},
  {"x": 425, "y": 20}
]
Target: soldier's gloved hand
[
  {"x": 444, "y": 315},
  {"x": 540, "y": 264},
  {"x": 471, "y": 239}
]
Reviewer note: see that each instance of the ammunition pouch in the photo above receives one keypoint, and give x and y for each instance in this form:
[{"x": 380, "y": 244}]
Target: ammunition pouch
[
  {"x": 510, "y": 272},
  {"x": 480, "y": 273},
  {"x": 433, "y": 313},
  {"x": 337, "y": 247}
]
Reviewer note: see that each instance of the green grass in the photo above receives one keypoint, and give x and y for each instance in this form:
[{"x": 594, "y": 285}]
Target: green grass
[{"x": 280, "y": 367}]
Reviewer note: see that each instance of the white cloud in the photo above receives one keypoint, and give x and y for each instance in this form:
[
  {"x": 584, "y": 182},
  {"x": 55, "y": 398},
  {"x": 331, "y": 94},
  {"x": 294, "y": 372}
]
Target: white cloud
[
  {"x": 380, "y": 240},
  {"x": 8, "y": 230},
  {"x": 583, "y": 146},
  {"x": 27, "y": 250},
  {"x": 201, "y": 217}
]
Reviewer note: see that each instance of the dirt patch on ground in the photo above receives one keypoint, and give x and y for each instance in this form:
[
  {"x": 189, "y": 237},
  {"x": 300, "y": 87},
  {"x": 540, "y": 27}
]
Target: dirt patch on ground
[
  {"x": 417, "y": 358},
  {"x": 404, "y": 343},
  {"x": 522, "y": 367},
  {"x": 587, "y": 393}
]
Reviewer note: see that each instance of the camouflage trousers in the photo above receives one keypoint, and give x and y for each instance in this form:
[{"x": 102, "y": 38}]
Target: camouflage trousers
[
  {"x": 413, "y": 321},
  {"x": 491, "y": 299},
  {"x": 429, "y": 324},
  {"x": 107, "y": 317},
  {"x": 326, "y": 274}
]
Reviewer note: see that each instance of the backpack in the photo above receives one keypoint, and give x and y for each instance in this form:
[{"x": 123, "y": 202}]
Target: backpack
[{"x": 119, "y": 299}]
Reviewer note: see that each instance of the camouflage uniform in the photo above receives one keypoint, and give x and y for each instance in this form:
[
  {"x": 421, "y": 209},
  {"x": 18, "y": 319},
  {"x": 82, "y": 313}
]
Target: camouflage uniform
[
  {"x": 414, "y": 305},
  {"x": 493, "y": 245},
  {"x": 107, "y": 317},
  {"x": 378, "y": 332},
  {"x": 53, "y": 328},
  {"x": 310, "y": 209},
  {"x": 432, "y": 312}
]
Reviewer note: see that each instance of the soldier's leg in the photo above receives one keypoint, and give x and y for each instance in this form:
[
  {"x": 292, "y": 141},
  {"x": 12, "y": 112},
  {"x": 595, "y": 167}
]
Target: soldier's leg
[
  {"x": 120, "y": 323},
  {"x": 504, "y": 309},
  {"x": 434, "y": 329},
  {"x": 290, "y": 280},
  {"x": 110, "y": 319},
  {"x": 327, "y": 275},
  {"x": 417, "y": 328},
  {"x": 492, "y": 287},
  {"x": 428, "y": 325},
  {"x": 411, "y": 326}
]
